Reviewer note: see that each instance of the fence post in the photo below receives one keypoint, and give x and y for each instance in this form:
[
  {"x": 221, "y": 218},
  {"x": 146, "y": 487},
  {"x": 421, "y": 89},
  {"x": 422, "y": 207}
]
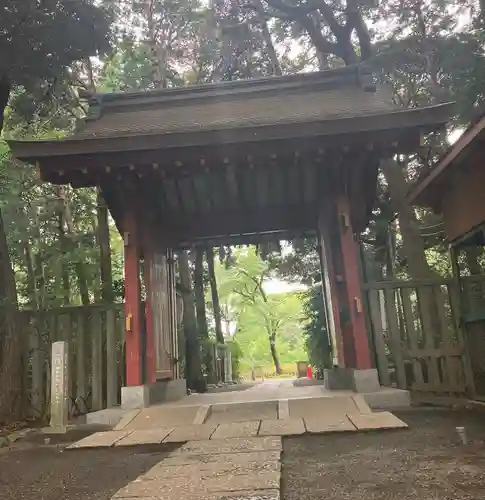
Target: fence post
[
  {"x": 38, "y": 393},
  {"x": 395, "y": 337},
  {"x": 111, "y": 364},
  {"x": 97, "y": 361},
  {"x": 378, "y": 334}
]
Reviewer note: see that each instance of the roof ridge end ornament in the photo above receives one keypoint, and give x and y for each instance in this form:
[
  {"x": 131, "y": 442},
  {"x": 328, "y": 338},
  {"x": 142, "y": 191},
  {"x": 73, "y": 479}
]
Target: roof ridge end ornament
[
  {"x": 95, "y": 104},
  {"x": 365, "y": 77}
]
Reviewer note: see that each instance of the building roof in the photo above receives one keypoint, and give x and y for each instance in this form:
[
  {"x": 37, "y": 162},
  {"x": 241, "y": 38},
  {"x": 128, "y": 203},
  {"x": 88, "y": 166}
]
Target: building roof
[
  {"x": 337, "y": 101},
  {"x": 427, "y": 189}
]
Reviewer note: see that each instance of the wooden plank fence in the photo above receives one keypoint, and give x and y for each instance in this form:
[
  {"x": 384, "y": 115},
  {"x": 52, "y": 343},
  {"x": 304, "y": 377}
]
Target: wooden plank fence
[
  {"x": 418, "y": 332},
  {"x": 95, "y": 336}
]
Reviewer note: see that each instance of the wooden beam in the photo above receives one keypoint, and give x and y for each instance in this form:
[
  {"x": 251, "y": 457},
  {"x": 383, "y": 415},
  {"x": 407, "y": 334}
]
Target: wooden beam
[{"x": 225, "y": 223}]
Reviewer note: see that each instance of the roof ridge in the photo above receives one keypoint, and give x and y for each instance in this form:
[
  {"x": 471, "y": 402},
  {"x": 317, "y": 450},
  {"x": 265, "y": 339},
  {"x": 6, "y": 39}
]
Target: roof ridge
[
  {"x": 359, "y": 76},
  {"x": 356, "y": 70}
]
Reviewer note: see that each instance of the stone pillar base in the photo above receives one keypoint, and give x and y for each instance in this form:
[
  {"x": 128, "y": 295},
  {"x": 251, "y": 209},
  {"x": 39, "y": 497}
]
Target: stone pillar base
[
  {"x": 162, "y": 391},
  {"x": 351, "y": 379}
]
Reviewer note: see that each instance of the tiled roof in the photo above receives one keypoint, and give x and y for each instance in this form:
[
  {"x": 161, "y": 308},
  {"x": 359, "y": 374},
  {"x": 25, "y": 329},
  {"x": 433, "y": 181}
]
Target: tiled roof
[{"x": 299, "y": 106}]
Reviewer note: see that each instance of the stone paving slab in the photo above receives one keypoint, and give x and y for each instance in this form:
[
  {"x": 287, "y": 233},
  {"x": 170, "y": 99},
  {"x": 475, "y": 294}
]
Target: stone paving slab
[
  {"x": 244, "y": 463},
  {"x": 145, "y": 436},
  {"x": 230, "y": 459},
  {"x": 283, "y": 409},
  {"x": 236, "y": 429},
  {"x": 239, "y": 482},
  {"x": 232, "y": 445},
  {"x": 329, "y": 423},
  {"x": 238, "y": 474},
  {"x": 163, "y": 416},
  {"x": 128, "y": 417},
  {"x": 243, "y": 412},
  {"x": 221, "y": 495},
  {"x": 194, "y": 432},
  {"x": 247, "y": 495},
  {"x": 316, "y": 407},
  {"x": 286, "y": 427},
  {"x": 379, "y": 420},
  {"x": 103, "y": 439},
  {"x": 171, "y": 488}
]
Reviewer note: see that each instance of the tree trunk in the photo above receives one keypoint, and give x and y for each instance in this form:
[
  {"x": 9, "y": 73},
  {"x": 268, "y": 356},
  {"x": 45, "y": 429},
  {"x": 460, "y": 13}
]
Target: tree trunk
[
  {"x": 199, "y": 294},
  {"x": 11, "y": 338},
  {"x": 472, "y": 256},
  {"x": 274, "y": 354},
  {"x": 412, "y": 241},
  {"x": 193, "y": 366},
  {"x": 202, "y": 328},
  {"x": 432, "y": 298},
  {"x": 266, "y": 35},
  {"x": 68, "y": 224},
  {"x": 31, "y": 277},
  {"x": 215, "y": 296},
  {"x": 104, "y": 250},
  {"x": 5, "y": 88}
]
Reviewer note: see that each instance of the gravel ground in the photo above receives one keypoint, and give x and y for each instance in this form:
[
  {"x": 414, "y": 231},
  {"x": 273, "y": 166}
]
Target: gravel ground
[
  {"x": 32, "y": 470},
  {"x": 424, "y": 462}
]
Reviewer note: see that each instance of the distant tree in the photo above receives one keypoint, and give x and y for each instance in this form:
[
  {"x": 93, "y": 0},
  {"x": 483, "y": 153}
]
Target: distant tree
[{"x": 317, "y": 340}]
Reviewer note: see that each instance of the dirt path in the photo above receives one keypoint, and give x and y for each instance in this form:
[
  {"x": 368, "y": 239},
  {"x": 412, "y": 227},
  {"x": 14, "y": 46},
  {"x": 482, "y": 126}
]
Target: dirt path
[
  {"x": 425, "y": 462},
  {"x": 31, "y": 471}
]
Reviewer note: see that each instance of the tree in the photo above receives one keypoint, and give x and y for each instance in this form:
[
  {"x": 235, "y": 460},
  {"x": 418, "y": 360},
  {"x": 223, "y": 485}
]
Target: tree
[
  {"x": 244, "y": 281},
  {"x": 40, "y": 42},
  {"x": 317, "y": 341}
]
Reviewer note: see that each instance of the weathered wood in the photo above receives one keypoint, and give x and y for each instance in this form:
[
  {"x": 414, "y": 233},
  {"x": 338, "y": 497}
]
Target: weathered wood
[
  {"x": 381, "y": 285},
  {"x": 38, "y": 361},
  {"x": 448, "y": 359},
  {"x": 457, "y": 311},
  {"x": 395, "y": 338},
  {"x": 435, "y": 352},
  {"x": 82, "y": 329},
  {"x": 411, "y": 333},
  {"x": 439, "y": 388},
  {"x": 425, "y": 297},
  {"x": 378, "y": 334},
  {"x": 398, "y": 284},
  {"x": 111, "y": 361},
  {"x": 64, "y": 333},
  {"x": 96, "y": 362}
]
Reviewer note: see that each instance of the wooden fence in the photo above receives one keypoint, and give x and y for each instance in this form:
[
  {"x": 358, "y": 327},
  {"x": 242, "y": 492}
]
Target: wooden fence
[
  {"x": 418, "y": 332},
  {"x": 96, "y": 364}
]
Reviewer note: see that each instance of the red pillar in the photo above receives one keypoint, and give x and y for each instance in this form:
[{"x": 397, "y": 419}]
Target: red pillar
[
  {"x": 354, "y": 328},
  {"x": 133, "y": 312}
]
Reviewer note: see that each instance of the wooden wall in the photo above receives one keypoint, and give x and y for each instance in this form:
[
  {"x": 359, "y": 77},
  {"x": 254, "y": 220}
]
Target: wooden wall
[{"x": 463, "y": 203}]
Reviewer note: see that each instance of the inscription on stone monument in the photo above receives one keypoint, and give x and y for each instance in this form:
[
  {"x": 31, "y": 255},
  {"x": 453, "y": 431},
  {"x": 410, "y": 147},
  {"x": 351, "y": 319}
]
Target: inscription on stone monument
[{"x": 59, "y": 386}]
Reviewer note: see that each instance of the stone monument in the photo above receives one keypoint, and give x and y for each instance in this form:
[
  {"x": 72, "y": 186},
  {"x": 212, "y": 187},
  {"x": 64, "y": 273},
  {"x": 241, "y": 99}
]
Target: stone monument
[{"x": 59, "y": 387}]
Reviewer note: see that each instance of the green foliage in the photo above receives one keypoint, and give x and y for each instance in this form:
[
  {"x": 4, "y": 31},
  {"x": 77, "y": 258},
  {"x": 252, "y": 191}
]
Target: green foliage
[
  {"x": 260, "y": 318},
  {"x": 317, "y": 340},
  {"x": 236, "y": 356},
  {"x": 40, "y": 43}
]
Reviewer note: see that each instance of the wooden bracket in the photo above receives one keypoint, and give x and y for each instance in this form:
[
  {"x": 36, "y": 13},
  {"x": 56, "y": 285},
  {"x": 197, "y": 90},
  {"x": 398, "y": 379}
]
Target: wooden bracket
[
  {"x": 358, "y": 305},
  {"x": 345, "y": 220},
  {"x": 129, "y": 323}
]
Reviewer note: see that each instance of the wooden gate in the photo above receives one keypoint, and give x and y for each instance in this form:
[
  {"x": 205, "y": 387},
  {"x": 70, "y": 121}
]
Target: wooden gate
[
  {"x": 163, "y": 311},
  {"x": 417, "y": 336}
]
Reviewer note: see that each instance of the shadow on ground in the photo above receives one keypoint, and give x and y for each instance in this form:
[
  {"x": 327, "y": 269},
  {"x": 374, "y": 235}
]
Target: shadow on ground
[
  {"x": 423, "y": 462},
  {"x": 32, "y": 470}
]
